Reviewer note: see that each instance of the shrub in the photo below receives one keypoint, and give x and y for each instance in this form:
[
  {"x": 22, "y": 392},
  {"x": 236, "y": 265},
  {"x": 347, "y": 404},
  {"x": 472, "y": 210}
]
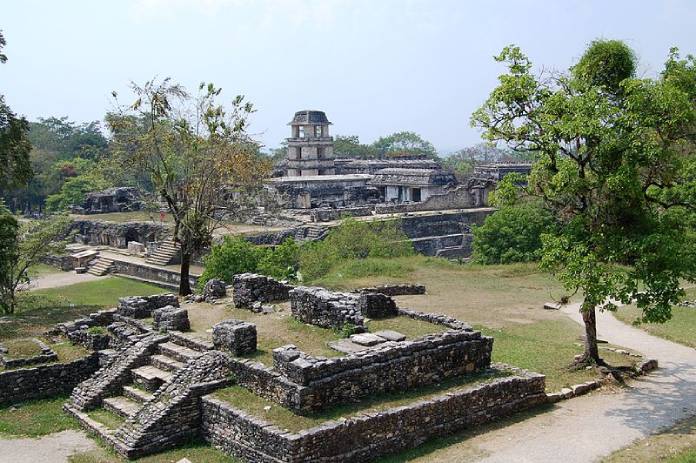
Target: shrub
[
  {"x": 354, "y": 240},
  {"x": 512, "y": 234},
  {"x": 237, "y": 255}
]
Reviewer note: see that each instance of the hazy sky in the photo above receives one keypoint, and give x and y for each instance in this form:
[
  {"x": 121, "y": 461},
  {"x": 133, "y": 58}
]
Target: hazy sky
[{"x": 374, "y": 66}]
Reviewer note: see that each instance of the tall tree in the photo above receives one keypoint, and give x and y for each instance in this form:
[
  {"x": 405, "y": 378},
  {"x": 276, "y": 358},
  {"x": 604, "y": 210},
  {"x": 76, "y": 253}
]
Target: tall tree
[
  {"x": 402, "y": 144},
  {"x": 349, "y": 146},
  {"x": 196, "y": 153},
  {"x": 24, "y": 246},
  {"x": 615, "y": 163},
  {"x": 14, "y": 145}
]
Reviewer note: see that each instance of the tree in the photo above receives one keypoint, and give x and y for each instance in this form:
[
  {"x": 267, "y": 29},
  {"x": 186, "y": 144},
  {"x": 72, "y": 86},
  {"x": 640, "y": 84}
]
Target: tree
[
  {"x": 14, "y": 145},
  {"x": 22, "y": 247},
  {"x": 196, "y": 154},
  {"x": 404, "y": 144},
  {"x": 349, "y": 146},
  {"x": 512, "y": 234},
  {"x": 615, "y": 163}
]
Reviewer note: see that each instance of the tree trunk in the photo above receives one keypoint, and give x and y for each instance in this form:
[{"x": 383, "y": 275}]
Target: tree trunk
[
  {"x": 184, "y": 284},
  {"x": 591, "y": 354}
]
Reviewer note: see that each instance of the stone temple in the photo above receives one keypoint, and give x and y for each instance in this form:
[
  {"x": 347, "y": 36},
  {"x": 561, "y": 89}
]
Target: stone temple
[{"x": 310, "y": 148}]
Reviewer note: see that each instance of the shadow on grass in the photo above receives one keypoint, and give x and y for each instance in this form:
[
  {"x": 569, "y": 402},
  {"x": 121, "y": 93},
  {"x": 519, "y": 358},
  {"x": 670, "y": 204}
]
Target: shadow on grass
[{"x": 436, "y": 444}]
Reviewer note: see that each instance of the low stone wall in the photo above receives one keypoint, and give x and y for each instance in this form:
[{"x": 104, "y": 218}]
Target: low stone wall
[
  {"x": 436, "y": 318},
  {"x": 250, "y": 288},
  {"x": 164, "y": 277},
  {"x": 367, "y": 436},
  {"x": 392, "y": 366},
  {"x": 394, "y": 290},
  {"x": 77, "y": 331},
  {"x": 320, "y": 307},
  {"x": 143, "y": 306},
  {"x": 329, "y": 214},
  {"x": 45, "y": 380},
  {"x": 47, "y": 355}
]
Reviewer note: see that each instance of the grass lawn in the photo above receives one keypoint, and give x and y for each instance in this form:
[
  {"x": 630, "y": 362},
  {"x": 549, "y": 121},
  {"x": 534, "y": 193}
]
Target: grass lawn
[
  {"x": 673, "y": 445},
  {"x": 39, "y": 310},
  {"x": 22, "y": 348},
  {"x": 240, "y": 398},
  {"x": 35, "y": 418},
  {"x": 107, "y": 418},
  {"x": 681, "y": 328}
]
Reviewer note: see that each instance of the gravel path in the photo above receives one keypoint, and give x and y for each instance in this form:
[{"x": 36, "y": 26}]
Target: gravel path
[
  {"x": 588, "y": 428},
  {"x": 54, "y": 280},
  {"x": 54, "y": 448}
]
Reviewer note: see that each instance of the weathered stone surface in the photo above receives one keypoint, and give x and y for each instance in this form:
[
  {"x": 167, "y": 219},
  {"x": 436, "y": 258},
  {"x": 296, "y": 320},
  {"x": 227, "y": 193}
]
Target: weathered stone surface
[
  {"x": 171, "y": 318},
  {"x": 394, "y": 290},
  {"x": 250, "y": 288},
  {"x": 142, "y": 307},
  {"x": 377, "y": 305},
  {"x": 46, "y": 355},
  {"x": 366, "y": 339},
  {"x": 368, "y": 436},
  {"x": 117, "y": 235},
  {"x": 45, "y": 380},
  {"x": 320, "y": 307},
  {"x": 174, "y": 414},
  {"x": 390, "y": 335},
  {"x": 346, "y": 346},
  {"x": 214, "y": 289},
  {"x": 235, "y": 336}
]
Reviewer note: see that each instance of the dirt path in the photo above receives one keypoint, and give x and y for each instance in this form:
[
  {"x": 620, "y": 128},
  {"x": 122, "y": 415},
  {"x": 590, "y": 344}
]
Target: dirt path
[
  {"x": 54, "y": 280},
  {"x": 54, "y": 448},
  {"x": 590, "y": 427}
]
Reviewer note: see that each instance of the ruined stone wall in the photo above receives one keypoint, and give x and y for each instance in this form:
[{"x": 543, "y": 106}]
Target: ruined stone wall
[
  {"x": 393, "y": 366},
  {"x": 326, "y": 214},
  {"x": 367, "y": 436},
  {"x": 143, "y": 306},
  {"x": 45, "y": 380},
  {"x": 116, "y": 234},
  {"x": 328, "y": 309},
  {"x": 251, "y": 287},
  {"x": 166, "y": 278},
  {"x": 394, "y": 290}
]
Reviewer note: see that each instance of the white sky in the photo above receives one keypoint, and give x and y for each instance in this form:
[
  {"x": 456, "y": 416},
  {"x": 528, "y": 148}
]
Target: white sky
[{"x": 374, "y": 66}]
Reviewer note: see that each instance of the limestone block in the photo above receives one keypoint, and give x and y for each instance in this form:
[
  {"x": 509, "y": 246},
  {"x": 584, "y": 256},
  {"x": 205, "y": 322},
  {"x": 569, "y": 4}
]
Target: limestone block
[
  {"x": 235, "y": 336},
  {"x": 171, "y": 318}
]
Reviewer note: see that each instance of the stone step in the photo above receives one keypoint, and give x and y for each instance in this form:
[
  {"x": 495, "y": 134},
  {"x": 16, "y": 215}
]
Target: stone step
[
  {"x": 177, "y": 352},
  {"x": 150, "y": 377},
  {"x": 166, "y": 363},
  {"x": 122, "y": 406},
  {"x": 136, "y": 394}
]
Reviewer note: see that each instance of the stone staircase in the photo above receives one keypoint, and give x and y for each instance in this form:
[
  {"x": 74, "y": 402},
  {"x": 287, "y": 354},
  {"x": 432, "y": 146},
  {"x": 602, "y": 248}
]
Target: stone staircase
[
  {"x": 144, "y": 381},
  {"x": 316, "y": 232},
  {"x": 165, "y": 253},
  {"x": 101, "y": 267}
]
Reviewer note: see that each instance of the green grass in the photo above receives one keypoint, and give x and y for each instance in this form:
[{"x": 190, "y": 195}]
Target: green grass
[
  {"x": 35, "y": 418},
  {"x": 681, "y": 328},
  {"x": 39, "y": 310},
  {"x": 107, "y": 418},
  {"x": 197, "y": 452},
  {"x": 22, "y": 348},
  {"x": 42, "y": 269},
  {"x": 241, "y": 398},
  {"x": 547, "y": 347}
]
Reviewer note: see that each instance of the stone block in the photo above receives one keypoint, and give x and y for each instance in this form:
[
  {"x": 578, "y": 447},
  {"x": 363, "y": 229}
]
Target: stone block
[
  {"x": 171, "y": 318},
  {"x": 235, "y": 336},
  {"x": 377, "y": 305},
  {"x": 367, "y": 339},
  {"x": 390, "y": 335},
  {"x": 214, "y": 289}
]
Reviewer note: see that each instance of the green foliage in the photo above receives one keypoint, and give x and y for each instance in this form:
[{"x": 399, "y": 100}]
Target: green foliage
[
  {"x": 282, "y": 261},
  {"x": 616, "y": 165},
  {"x": 606, "y": 63},
  {"x": 97, "y": 330},
  {"x": 353, "y": 240},
  {"x": 404, "y": 144},
  {"x": 9, "y": 253},
  {"x": 14, "y": 148},
  {"x": 512, "y": 234},
  {"x": 349, "y": 146},
  {"x": 346, "y": 331},
  {"x": 237, "y": 255},
  {"x": 509, "y": 191},
  {"x": 74, "y": 189}
]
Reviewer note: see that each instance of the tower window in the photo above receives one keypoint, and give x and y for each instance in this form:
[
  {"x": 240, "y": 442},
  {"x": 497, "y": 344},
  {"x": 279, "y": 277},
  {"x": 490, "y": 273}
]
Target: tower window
[
  {"x": 317, "y": 131},
  {"x": 301, "y": 132},
  {"x": 320, "y": 152},
  {"x": 298, "y": 153}
]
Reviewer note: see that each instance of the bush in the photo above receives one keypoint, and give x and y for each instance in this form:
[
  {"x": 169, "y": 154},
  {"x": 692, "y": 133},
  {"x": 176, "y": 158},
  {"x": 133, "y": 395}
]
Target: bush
[
  {"x": 236, "y": 255},
  {"x": 512, "y": 234},
  {"x": 353, "y": 240}
]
